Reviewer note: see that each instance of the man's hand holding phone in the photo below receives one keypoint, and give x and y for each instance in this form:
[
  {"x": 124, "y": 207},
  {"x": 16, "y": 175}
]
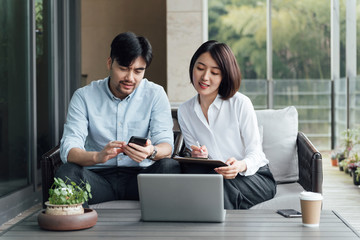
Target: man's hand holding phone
[
  {"x": 138, "y": 141},
  {"x": 138, "y": 148}
]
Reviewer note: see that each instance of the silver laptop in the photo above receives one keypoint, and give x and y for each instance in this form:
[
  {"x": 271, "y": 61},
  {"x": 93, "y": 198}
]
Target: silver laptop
[{"x": 181, "y": 197}]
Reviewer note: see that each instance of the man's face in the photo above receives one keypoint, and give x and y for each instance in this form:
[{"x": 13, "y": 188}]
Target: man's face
[{"x": 124, "y": 80}]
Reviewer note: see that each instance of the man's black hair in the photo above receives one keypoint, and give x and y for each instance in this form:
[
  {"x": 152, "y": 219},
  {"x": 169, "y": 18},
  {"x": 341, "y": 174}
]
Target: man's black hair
[{"x": 126, "y": 47}]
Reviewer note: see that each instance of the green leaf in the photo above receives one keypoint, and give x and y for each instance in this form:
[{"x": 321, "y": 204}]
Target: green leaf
[
  {"x": 57, "y": 192},
  {"x": 69, "y": 192},
  {"x": 63, "y": 199},
  {"x": 62, "y": 184},
  {"x": 56, "y": 181}
]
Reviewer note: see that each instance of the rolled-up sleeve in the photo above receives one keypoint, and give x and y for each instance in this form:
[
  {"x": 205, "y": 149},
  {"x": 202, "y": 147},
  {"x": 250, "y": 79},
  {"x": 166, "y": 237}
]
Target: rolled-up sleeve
[
  {"x": 161, "y": 123},
  {"x": 76, "y": 126}
]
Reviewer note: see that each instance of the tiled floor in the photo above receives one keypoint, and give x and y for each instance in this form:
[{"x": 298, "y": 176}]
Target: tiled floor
[{"x": 340, "y": 194}]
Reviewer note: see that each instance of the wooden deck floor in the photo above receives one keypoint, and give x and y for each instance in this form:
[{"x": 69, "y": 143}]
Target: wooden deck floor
[{"x": 339, "y": 194}]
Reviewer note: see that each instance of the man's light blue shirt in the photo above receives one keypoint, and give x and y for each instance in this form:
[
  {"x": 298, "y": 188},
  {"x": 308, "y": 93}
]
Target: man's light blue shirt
[{"x": 96, "y": 117}]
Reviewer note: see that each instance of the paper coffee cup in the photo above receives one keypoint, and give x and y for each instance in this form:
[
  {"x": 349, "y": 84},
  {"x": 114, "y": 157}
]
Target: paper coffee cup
[{"x": 310, "y": 208}]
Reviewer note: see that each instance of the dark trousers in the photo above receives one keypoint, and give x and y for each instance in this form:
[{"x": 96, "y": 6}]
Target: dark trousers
[
  {"x": 242, "y": 192},
  {"x": 119, "y": 183}
]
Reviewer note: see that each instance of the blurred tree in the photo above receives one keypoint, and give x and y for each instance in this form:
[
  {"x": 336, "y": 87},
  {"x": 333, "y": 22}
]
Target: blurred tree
[{"x": 301, "y": 36}]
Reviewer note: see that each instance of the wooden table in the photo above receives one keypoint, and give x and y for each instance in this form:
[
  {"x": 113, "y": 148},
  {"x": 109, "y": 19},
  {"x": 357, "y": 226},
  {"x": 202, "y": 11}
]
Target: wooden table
[{"x": 239, "y": 224}]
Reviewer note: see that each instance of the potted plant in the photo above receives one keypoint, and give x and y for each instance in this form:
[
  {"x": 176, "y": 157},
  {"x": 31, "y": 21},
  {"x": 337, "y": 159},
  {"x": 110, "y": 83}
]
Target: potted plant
[
  {"x": 343, "y": 165},
  {"x": 64, "y": 210},
  {"x": 353, "y": 165},
  {"x": 340, "y": 158},
  {"x": 67, "y": 197},
  {"x": 334, "y": 159},
  {"x": 350, "y": 138},
  {"x": 356, "y": 175}
]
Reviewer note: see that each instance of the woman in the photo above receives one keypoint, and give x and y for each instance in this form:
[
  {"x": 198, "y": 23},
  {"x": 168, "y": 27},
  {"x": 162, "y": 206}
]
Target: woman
[{"x": 224, "y": 122}]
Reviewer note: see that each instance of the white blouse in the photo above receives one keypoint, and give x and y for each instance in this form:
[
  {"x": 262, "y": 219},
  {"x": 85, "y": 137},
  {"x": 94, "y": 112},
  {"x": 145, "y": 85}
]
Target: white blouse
[{"x": 232, "y": 130}]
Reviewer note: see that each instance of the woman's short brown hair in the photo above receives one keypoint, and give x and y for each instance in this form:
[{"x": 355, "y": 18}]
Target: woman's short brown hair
[{"x": 224, "y": 57}]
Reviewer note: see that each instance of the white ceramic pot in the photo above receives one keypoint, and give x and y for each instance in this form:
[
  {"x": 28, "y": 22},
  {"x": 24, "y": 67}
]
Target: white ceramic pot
[{"x": 73, "y": 209}]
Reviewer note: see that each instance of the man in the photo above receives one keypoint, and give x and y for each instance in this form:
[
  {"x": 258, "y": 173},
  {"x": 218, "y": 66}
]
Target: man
[{"x": 102, "y": 117}]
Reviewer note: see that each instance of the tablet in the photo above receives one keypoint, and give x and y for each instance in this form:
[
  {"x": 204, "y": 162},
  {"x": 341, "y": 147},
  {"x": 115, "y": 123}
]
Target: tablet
[{"x": 205, "y": 161}]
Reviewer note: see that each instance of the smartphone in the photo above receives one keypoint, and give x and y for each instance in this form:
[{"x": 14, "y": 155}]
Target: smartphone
[
  {"x": 138, "y": 140},
  {"x": 289, "y": 213}
]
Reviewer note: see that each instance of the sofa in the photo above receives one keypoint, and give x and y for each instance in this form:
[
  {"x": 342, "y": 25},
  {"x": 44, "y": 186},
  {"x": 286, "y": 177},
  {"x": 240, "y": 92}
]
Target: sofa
[{"x": 294, "y": 161}]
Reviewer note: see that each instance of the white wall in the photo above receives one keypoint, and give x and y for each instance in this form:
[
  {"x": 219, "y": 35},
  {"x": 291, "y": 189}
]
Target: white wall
[{"x": 185, "y": 28}]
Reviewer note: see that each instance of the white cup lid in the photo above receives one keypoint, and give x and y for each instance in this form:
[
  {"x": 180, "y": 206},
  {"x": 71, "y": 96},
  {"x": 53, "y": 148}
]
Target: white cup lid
[{"x": 311, "y": 196}]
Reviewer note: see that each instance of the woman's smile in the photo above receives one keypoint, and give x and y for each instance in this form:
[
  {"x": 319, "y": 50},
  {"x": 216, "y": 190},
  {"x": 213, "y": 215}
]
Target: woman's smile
[{"x": 203, "y": 85}]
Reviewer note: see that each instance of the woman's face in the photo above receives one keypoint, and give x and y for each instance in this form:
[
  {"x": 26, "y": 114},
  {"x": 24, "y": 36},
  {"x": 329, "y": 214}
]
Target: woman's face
[{"x": 206, "y": 76}]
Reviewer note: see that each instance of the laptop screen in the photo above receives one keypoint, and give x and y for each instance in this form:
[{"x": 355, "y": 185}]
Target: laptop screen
[{"x": 181, "y": 197}]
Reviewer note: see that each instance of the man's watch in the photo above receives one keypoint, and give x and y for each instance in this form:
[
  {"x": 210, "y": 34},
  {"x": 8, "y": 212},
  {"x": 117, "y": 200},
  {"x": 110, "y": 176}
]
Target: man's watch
[{"x": 152, "y": 156}]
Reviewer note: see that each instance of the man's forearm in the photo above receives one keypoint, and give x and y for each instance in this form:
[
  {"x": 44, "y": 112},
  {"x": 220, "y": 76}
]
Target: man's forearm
[
  {"x": 163, "y": 151},
  {"x": 81, "y": 157}
]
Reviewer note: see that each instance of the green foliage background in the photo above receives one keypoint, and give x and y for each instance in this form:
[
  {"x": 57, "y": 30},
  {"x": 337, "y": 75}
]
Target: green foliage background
[{"x": 301, "y": 36}]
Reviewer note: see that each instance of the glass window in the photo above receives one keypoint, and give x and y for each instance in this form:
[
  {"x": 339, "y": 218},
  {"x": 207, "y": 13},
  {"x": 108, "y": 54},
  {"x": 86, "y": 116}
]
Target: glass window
[
  {"x": 340, "y": 106},
  {"x": 342, "y": 10},
  {"x": 301, "y": 39},
  {"x": 312, "y": 98},
  {"x": 358, "y": 36},
  {"x": 43, "y": 86},
  {"x": 354, "y": 102},
  {"x": 242, "y": 25},
  {"x": 256, "y": 90},
  {"x": 301, "y": 56},
  {"x": 355, "y": 98},
  {"x": 14, "y": 96},
  {"x": 301, "y": 64}
]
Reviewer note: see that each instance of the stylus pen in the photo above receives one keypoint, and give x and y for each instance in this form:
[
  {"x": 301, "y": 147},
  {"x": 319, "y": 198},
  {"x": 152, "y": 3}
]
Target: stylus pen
[{"x": 198, "y": 144}]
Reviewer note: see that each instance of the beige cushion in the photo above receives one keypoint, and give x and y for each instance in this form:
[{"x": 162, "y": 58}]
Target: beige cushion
[{"x": 280, "y": 129}]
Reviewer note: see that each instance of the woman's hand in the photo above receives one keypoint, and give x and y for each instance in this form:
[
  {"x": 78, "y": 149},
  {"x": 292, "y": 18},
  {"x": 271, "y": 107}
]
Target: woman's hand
[
  {"x": 231, "y": 171},
  {"x": 201, "y": 152}
]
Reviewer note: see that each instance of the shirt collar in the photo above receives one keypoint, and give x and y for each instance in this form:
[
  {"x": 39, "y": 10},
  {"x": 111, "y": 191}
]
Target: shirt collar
[
  {"x": 217, "y": 102},
  {"x": 108, "y": 91}
]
